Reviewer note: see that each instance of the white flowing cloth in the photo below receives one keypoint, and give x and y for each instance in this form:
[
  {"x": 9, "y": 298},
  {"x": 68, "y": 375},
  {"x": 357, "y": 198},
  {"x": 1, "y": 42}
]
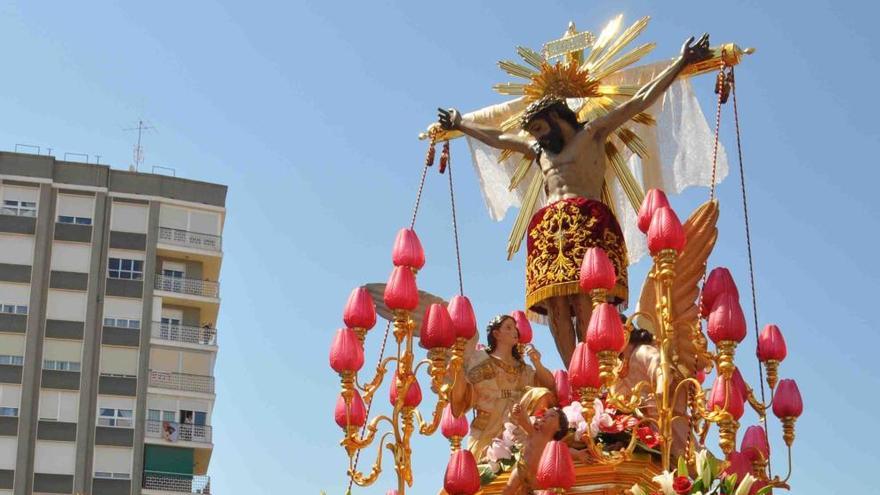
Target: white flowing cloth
[{"x": 679, "y": 146}]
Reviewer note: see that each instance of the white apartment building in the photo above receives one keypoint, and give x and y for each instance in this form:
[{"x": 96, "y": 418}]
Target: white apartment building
[{"x": 109, "y": 296}]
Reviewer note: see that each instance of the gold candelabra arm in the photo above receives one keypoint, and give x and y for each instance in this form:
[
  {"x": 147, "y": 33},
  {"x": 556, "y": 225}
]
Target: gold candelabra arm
[
  {"x": 355, "y": 442},
  {"x": 366, "y": 480},
  {"x": 628, "y": 404},
  {"x": 704, "y": 432},
  {"x": 783, "y": 482},
  {"x": 370, "y": 388},
  {"x": 403, "y": 452},
  {"x": 698, "y": 391},
  {"x": 759, "y": 407},
  {"x": 426, "y": 428}
]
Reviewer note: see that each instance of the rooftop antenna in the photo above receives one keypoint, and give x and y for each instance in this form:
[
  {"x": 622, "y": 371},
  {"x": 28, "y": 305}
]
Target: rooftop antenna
[{"x": 138, "y": 149}]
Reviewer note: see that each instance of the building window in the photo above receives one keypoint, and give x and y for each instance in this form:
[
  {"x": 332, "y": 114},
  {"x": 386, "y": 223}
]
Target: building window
[
  {"x": 19, "y": 208},
  {"x": 159, "y": 415},
  {"x": 49, "y": 364},
  {"x": 9, "y": 411},
  {"x": 114, "y": 476},
  {"x": 13, "y": 360},
  {"x": 74, "y": 220},
  {"x": 13, "y": 309},
  {"x": 126, "y": 269},
  {"x": 122, "y": 418},
  {"x": 122, "y": 323}
]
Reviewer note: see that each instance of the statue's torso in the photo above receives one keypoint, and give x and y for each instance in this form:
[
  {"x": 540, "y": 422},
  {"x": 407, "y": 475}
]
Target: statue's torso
[{"x": 577, "y": 171}]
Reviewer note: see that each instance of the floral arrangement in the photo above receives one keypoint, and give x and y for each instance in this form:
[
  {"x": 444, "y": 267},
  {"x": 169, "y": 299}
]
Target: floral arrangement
[
  {"x": 608, "y": 424},
  {"x": 710, "y": 479},
  {"x": 502, "y": 454}
]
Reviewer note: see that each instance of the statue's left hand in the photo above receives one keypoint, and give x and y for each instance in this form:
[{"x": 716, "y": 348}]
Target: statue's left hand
[{"x": 696, "y": 52}]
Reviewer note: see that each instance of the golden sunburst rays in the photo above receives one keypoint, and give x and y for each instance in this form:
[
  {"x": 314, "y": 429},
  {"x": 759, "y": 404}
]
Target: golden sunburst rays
[{"x": 565, "y": 78}]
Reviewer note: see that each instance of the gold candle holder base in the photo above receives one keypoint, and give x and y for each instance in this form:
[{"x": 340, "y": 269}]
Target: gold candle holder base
[
  {"x": 347, "y": 379},
  {"x": 772, "y": 367},
  {"x": 665, "y": 266},
  {"x": 598, "y": 296},
  {"x": 759, "y": 469},
  {"x": 587, "y": 397},
  {"x": 727, "y": 435},
  {"x": 726, "y": 353},
  {"x": 455, "y": 444},
  {"x": 608, "y": 361},
  {"x": 788, "y": 430}
]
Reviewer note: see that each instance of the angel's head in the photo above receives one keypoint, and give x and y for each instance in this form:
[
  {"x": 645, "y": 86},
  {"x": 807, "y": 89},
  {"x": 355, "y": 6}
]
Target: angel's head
[
  {"x": 639, "y": 337},
  {"x": 502, "y": 330},
  {"x": 551, "y": 122}
]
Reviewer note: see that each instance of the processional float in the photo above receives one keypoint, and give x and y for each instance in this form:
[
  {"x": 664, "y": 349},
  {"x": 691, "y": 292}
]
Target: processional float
[{"x": 682, "y": 306}]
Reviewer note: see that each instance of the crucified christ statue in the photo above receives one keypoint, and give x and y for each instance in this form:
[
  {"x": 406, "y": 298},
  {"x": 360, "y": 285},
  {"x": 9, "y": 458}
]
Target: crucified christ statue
[{"x": 571, "y": 156}]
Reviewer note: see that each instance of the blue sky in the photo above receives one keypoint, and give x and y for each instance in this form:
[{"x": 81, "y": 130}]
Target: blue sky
[{"x": 309, "y": 113}]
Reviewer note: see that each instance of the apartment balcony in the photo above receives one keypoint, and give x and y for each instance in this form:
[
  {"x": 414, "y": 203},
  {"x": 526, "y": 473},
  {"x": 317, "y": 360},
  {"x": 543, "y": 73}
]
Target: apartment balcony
[
  {"x": 176, "y": 483},
  {"x": 183, "y": 334},
  {"x": 188, "y": 286},
  {"x": 178, "y": 432},
  {"x": 184, "y": 382},
  {"x": 190, "y": 240}
]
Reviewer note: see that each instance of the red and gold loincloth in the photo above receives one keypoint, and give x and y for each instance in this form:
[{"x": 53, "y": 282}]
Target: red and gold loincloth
[{"x": 559, "y": 235}]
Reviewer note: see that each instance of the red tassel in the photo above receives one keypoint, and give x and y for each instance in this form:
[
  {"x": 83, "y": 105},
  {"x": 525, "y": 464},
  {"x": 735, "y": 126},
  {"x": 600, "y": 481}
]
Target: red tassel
[
  {"x": 429, "y": 158},
  {"x": 444, "y": 157}
]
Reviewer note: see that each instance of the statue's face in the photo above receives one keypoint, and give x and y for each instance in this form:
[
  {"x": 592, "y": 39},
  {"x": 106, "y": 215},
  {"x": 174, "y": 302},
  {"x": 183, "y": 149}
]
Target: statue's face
[
  {"x": 507, "y": 333},
  {"x": 547, "y": 132}
]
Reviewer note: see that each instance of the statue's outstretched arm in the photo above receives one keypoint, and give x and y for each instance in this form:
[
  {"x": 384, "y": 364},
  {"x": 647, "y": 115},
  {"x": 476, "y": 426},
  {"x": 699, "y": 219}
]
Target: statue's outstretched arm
[
  {"x": 649, "y": 93},
  {"x": 451, "y": 120}
]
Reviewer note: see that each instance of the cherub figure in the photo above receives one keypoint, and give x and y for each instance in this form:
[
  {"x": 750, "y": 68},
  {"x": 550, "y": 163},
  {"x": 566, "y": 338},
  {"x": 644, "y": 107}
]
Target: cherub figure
[{"x": 549, "y": 424}]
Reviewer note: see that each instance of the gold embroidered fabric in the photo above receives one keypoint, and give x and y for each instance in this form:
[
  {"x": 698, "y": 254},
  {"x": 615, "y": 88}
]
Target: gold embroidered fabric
[{"x": 559, "y": 236}]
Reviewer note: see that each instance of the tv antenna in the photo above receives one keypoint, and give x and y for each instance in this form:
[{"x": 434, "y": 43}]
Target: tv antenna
[{"x": 138, "y": 149}]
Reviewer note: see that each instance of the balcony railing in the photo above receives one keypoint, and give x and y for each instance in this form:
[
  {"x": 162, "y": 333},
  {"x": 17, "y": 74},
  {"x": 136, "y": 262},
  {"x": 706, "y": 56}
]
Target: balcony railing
[
  {"x": 178, "y": 432},
  {"x": 189, "y": 286},
  {"x": 185, "y": 334},
  {"x": 182, "y": 381},
  {"x": 189, "y": 239},
  {"x": 175, "y": 482}
]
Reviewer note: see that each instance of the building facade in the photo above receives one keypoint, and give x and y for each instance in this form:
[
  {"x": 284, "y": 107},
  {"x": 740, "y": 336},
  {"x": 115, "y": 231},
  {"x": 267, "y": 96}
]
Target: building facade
[{"x": 109, "y": 298}]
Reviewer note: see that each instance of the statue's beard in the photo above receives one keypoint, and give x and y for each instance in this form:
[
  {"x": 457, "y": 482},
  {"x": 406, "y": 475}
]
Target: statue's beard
[{"x": 553, "y": 140}]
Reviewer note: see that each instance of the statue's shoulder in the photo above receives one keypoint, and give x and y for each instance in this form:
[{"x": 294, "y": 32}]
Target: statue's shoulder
[{"x": 481, "y": 368}]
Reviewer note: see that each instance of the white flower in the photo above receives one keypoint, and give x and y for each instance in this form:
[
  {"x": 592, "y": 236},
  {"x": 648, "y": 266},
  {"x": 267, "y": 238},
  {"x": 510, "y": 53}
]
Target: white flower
[
  {"x": 581, "y": 429},
  {"x": 703, "y": 471},
  {"x": 600, "y": 418},
  {"x": 495, "y": 466},
  {"x": 637, "y": 490},
  {"x": 509, "y": 435},
  {"x": 498, "y": 451},
  {"x": 573, "y": 412},
  {"x": 665, "y": 480},
  {"x": 745, "y": 485}
]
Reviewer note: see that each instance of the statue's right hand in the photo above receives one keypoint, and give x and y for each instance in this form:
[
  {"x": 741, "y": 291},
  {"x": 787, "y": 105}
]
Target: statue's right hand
[{"x": 450, "y": 118}]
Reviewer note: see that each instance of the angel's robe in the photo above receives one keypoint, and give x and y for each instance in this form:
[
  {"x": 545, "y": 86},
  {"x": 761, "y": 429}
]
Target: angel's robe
[{"x": 494, "y": 387}]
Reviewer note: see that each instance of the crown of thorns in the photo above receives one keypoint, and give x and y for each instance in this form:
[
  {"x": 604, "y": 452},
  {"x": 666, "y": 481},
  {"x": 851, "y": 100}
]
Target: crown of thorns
[{"x": 540, "y": 107}]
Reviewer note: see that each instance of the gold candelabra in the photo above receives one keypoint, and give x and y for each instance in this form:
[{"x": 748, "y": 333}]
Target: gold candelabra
[{"x": 723, "y": 407}]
